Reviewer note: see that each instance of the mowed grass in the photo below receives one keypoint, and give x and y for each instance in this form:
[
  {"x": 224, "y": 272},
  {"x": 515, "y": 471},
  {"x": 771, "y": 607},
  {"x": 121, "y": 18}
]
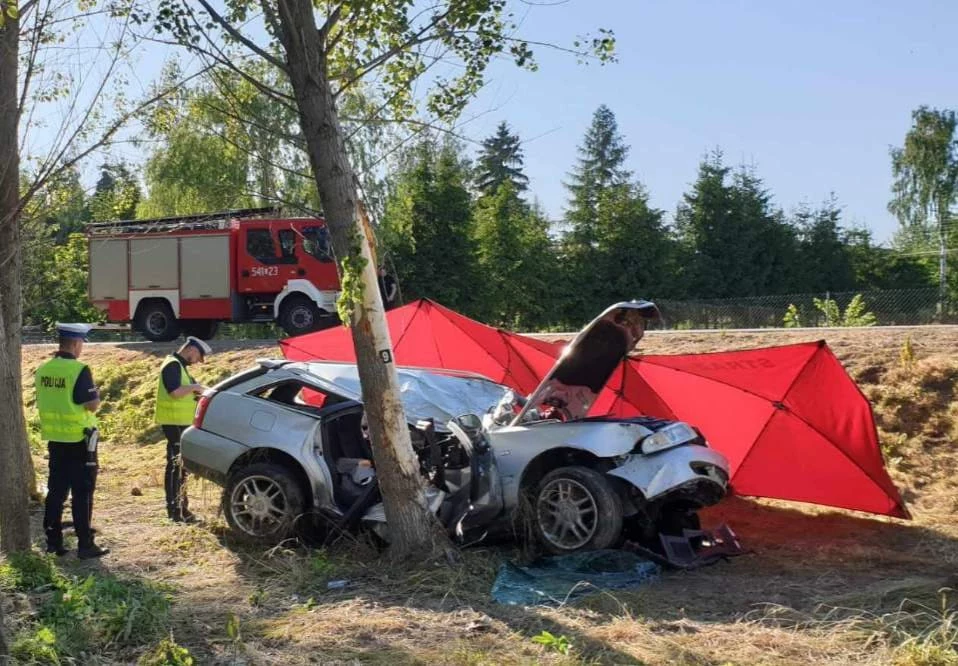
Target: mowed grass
[{"x": 819, "y": 585}]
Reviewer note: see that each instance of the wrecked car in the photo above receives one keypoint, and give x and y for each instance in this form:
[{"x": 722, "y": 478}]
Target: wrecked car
[{"x": 287, "y": 439}]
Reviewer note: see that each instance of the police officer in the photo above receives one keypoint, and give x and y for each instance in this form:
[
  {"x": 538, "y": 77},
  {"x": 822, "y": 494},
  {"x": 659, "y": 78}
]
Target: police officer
[
  {"x": 176, "y": 395},
  {"x": 67, "y": 400}
]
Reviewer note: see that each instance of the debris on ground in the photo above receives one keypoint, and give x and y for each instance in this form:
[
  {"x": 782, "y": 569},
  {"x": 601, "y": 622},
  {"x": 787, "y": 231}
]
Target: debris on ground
[{"x": 557, "y": 580}]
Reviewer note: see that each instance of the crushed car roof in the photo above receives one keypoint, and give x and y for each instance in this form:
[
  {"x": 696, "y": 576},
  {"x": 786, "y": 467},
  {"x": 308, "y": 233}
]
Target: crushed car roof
[{"x": 426, "y": 394}]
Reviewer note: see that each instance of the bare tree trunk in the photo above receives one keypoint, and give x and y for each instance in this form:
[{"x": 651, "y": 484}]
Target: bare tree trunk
[
  {"x": 16, "y": 468},
  {"x": 412, "y": 528},
  {"x": 4, "y": 650}
]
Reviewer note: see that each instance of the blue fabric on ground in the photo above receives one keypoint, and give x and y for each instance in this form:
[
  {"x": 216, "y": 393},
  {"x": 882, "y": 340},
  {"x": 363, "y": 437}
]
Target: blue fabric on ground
[{"x": 556, "y": 580}]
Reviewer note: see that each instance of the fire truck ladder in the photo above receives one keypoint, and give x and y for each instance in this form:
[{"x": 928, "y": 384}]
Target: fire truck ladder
[{"x": 204, "y": 221}]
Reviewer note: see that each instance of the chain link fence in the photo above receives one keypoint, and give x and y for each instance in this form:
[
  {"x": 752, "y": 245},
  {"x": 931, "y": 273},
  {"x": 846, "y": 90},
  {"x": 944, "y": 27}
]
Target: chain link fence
[{"x": 903, "y": 307}]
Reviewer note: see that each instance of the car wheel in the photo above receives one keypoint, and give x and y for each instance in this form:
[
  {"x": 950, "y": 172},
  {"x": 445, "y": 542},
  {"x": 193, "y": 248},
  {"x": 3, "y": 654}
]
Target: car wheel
[
  {"x": 262, "y": 503},
  {"x": 576, "y": 508},
  {"x": 299, "y": 315},
  {"x": 157, "y": 322}
]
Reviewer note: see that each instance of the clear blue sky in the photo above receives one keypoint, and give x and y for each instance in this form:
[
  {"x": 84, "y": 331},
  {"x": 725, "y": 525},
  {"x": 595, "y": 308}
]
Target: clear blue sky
[{"x": 812, "y": 93}]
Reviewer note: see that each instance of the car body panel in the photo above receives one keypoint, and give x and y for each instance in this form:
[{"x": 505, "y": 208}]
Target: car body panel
[
  {"x": 516, "y": 446},
  {"x": 657, "y": 474}
]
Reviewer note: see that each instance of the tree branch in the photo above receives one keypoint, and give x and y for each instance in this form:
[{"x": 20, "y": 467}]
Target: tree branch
[
  {"x": 240, "y": 37},
  {"x": 103, "y": 139},
  {"x": 384, "y": 57}
]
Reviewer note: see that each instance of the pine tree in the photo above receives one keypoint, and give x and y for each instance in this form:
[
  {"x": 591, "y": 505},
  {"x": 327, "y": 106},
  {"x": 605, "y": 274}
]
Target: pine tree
[
  {"x": 600, "y": 166},
  {"x": 825, "y": 256},
  {"x": 500, "y": 161},
  {"x": 516, "y": 260},
  {"x": 427, "y": 228},
  {"x": 736, "y": 243},
  {"x": 617, "y": 246}
]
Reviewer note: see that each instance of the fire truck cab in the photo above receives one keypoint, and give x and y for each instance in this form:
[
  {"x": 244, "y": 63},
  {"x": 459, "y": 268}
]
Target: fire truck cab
[{"x": 184, "y": 275}]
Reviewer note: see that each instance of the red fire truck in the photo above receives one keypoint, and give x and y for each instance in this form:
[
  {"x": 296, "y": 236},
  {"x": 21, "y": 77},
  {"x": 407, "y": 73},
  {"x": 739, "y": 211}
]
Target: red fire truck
[{"x": 184, "y": 275}]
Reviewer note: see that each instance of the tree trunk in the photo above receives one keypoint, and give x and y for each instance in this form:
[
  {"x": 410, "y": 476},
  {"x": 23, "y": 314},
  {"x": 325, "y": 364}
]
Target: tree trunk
[
  {"x": 4, "y": 650},
  {"x": 16, "y": 468},
  {"x": 412, "y": 529}
]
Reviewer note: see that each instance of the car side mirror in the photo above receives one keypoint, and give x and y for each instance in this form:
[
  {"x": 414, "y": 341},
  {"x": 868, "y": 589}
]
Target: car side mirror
[{"x": 469, "y": 422}]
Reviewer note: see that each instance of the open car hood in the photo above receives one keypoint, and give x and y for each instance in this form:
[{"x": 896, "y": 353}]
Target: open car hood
[
  {"x": 587, "y": 363},
  {"x": 426, "y": 394}
]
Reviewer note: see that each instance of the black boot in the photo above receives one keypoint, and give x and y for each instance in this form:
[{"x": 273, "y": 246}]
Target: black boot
[
  {"x": 91, "y": 551},
  {"x": 55, "y": 543}
]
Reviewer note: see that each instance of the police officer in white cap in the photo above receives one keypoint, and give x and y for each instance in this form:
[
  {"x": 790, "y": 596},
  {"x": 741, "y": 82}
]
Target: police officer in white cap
[
  {"x": 176, "y": 395},
  {"x": 67, "y": 400}
]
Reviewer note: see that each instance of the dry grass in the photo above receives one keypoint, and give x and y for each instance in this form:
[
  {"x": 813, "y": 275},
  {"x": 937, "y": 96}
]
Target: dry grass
[{"x": 822, "y": 586}]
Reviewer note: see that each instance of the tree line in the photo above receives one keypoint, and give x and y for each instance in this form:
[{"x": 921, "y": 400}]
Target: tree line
[{"x": 467, "y": 232}]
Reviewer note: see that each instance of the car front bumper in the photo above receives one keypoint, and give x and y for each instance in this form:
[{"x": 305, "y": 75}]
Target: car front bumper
[{"x": 674, "y": 469}]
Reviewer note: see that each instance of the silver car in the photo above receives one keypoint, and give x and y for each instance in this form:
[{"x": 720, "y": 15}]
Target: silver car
[{"x": 287, "y": 439}]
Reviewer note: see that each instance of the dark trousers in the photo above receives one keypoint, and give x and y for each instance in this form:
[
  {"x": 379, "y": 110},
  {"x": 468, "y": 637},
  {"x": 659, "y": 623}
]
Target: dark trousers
[
  {"x": 174, "y": 482},
  {"x": 69, "y": 474}
]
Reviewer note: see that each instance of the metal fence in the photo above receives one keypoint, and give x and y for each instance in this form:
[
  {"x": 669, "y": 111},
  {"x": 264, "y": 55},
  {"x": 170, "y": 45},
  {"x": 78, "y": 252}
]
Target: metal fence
[{"x": 904, "y": 307}]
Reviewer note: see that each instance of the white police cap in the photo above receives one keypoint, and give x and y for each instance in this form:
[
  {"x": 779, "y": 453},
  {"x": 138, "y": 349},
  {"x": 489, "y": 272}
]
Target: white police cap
[
  {"x": 199, "y": 344},
  {"x": 76, "y": 331}
]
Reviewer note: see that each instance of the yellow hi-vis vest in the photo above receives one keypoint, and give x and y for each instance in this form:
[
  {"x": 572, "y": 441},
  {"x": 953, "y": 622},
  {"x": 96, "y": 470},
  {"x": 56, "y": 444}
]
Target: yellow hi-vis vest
[
  {"x": 170, "y": 410},
  {"x": 61, "y": 419}
]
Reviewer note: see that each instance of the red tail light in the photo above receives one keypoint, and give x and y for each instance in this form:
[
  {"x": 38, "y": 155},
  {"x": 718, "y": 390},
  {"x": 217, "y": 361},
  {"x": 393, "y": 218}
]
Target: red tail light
[{"x": 201, "y": 407}]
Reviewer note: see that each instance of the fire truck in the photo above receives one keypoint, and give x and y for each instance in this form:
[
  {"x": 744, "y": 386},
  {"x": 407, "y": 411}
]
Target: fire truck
[{"x": 185, "y": 275}]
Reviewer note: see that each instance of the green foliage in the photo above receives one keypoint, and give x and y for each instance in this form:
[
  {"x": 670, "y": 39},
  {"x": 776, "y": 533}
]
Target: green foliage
[
  {"x": 22, "y": 572},
  {"x": 117, "y": 194},
  {"x": 500, "y": 161},
  {"x": 167, "y": 653},
  {"x": 829, "y": 310},
  {"x": 62, "y": 285},
  {"x": 351, "y": 282},
  {"x": 559, "y": 644},
  {"x": 792, "y": 318},
  {"x": 77, "y": 615},
  {"x": 428, "y": 228},
  {"x": 514, "y": 260},
  {"x": 856, "y": 313},
  {"x": 906, "y": 356}
]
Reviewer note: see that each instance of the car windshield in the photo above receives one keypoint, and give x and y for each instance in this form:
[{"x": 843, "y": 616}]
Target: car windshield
[{"x": 425, "y": 394}]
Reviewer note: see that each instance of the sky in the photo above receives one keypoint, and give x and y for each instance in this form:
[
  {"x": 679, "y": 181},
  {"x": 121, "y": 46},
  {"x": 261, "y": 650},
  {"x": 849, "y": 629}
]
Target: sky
[{"x": 812, "y": 94}]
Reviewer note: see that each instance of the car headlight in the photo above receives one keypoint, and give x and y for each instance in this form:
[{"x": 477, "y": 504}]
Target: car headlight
[{"x": 668, "y": 437}]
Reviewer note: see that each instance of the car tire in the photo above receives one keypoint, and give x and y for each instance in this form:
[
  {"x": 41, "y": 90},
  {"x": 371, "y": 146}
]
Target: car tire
[
  {"x": 262, "y": 503},
  {"x": 204, "y": 329},
  {"x": 576, "y": 509},
  {"x": 156, "y": 321},
  {"x": 299, "y": 315}
]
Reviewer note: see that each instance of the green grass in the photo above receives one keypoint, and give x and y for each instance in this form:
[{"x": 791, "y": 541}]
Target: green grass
[{"x": 78, "y": 615}]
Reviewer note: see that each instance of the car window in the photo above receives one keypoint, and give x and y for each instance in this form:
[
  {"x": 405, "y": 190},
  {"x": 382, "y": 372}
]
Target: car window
[
  {"x": 316, "y": 243},
  {"x": 259, "y": 245},
  {"x": 297, "y": 394},
  {"x": 287, "y": 246}
]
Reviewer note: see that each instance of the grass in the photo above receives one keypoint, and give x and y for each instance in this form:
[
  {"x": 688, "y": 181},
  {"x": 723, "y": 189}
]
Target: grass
[
  {"x": 75, "y": 616},
  {"x": 823, "y": 586}
]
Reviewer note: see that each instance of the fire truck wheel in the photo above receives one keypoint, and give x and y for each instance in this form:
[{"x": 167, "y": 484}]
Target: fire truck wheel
[
  {"x": 299, "y": 315},
  {"x": 156, "y": 321},
  {"x": 204, "y": 329}
]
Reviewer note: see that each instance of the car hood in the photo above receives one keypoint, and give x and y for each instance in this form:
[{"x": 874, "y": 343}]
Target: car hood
[
  {"x": 588, "y": 362},
  {"x": 425, "y": 394}
]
